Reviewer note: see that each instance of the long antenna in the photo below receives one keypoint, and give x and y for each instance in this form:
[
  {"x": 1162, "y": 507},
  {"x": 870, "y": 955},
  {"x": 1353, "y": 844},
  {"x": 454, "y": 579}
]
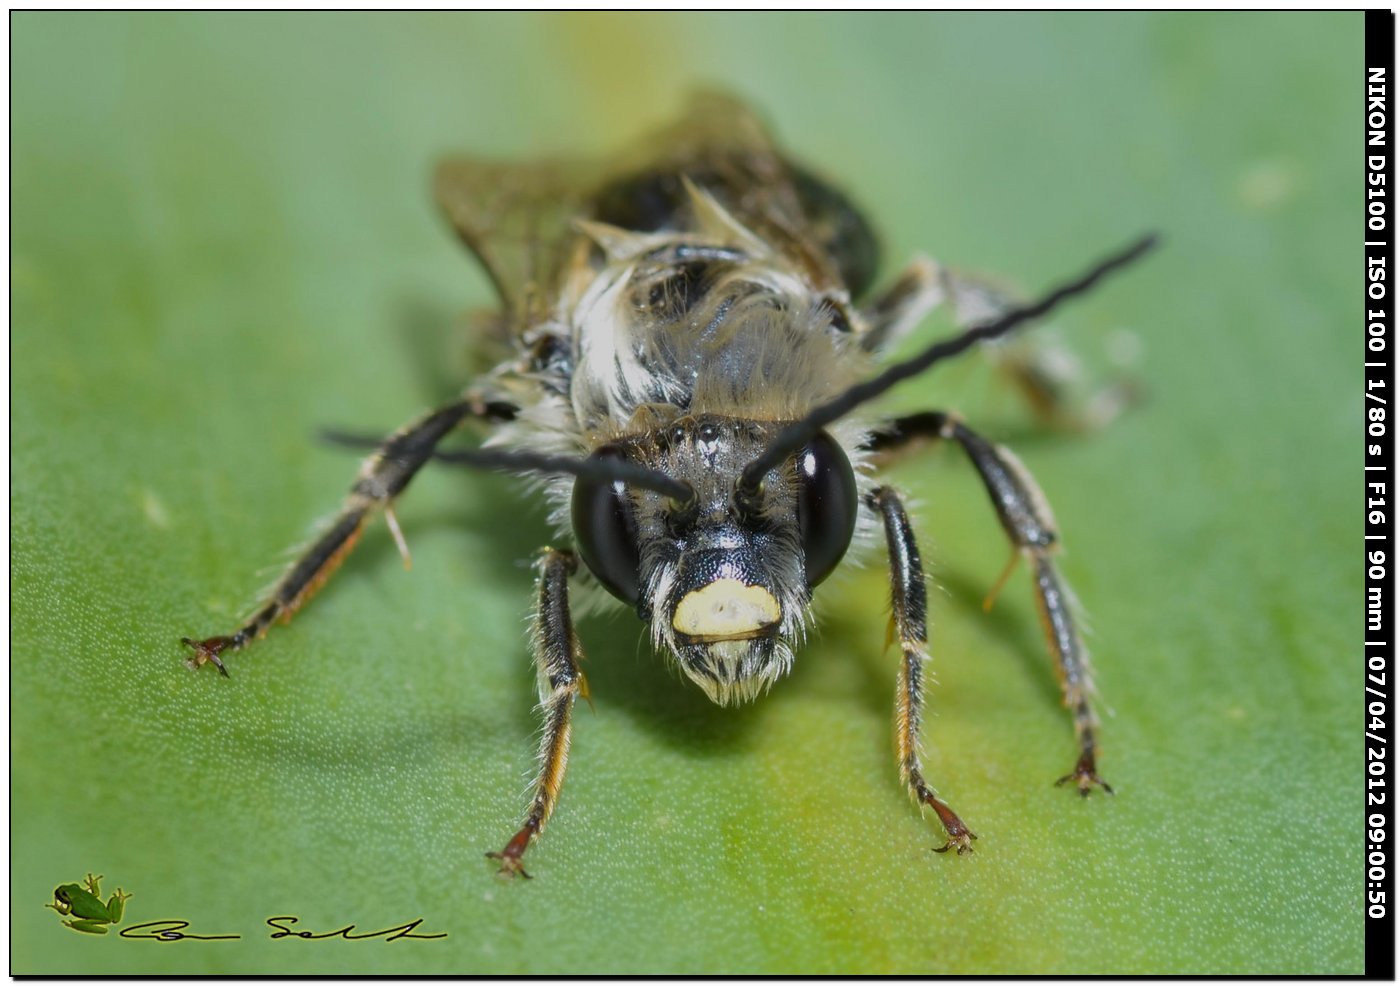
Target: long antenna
[
  {"x": 796, "y": 435},
  {"x": 596, "y": 470}
]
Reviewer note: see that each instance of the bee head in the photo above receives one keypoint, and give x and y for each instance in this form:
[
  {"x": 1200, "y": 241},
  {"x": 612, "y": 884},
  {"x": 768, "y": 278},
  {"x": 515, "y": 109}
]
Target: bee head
[{"x": 725, "y": 576}]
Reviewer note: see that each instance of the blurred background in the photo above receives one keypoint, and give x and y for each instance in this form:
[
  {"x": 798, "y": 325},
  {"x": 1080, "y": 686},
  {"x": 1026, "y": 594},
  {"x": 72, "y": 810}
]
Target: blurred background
[{"x": 222, "y": 241}]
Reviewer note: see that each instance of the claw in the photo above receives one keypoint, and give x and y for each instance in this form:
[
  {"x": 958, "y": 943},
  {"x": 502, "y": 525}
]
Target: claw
[
  {"x": 960, "y": 837},
  {"x": 1085, "y": 777},
  {"x": 510, "y": 865},
  {"x": 208, "y": 651},
  {"x": 961, "y": 841},
  {"x": 511, "y": 855}
]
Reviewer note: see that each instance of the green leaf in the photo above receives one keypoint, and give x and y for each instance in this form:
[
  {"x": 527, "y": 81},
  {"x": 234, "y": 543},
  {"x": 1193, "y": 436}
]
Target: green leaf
[{"x": 222, "y": 242}]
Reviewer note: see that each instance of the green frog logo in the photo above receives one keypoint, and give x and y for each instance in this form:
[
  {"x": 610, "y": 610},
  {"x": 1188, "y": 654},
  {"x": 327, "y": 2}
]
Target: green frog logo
[{"x": 83, "y": 903}]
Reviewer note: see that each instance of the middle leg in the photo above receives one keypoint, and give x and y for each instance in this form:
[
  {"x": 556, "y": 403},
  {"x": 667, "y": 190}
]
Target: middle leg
[{"x": 1026, "y": 518}]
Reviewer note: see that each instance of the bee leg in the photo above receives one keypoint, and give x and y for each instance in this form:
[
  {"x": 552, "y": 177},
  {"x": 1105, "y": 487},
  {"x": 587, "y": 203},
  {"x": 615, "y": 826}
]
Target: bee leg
[
  {"x": 1028, "y": 522},
  {"x": 1049, "y": 377},
  {"x": 382, "y": 477},
  {"x": 910, "y": 603},
  {"x": 557, "y": 655},
  {"x": 1047, "y": 374},
  {"x": 900, "y": 307},
  {"x": 1051, "y": 381}
]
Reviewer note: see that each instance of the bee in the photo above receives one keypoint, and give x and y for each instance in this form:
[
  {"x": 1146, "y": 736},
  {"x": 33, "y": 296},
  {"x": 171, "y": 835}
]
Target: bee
[{"x": 694, "y": 347}]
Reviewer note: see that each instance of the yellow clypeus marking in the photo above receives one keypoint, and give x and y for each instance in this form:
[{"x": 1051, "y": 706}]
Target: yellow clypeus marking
[{"x": 726, "y": 608}]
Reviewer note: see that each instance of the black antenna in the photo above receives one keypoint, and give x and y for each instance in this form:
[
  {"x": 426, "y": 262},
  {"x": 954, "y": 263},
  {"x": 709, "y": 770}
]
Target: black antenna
[
  {"x": 597, "y": 470},
  {"x": 796, "y": 435}
]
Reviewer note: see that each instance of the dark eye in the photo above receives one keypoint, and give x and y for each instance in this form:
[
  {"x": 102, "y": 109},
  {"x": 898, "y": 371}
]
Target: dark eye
[
  {"x": 826, "y": 505},
  {"x": 606, "y": 532}
]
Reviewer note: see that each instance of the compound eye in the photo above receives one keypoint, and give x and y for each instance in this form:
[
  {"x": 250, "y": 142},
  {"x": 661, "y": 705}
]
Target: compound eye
[
  {"x": 606, "y": 531},
  {"x": 826, "y": 505}
]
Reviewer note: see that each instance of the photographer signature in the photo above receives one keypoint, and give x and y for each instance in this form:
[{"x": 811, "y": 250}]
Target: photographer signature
[{"x": 174, "y": 930}]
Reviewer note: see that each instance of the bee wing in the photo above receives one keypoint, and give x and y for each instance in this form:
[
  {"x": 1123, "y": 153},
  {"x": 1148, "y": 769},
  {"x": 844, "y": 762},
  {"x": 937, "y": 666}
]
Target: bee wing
[
  {"x": 718, "y": 129},
  {"x": 725, "y": 148},
  {"x": 515, "y": 217}
]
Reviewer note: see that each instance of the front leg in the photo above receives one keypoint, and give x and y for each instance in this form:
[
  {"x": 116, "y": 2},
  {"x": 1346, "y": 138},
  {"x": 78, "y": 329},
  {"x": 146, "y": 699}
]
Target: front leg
[
  {"x": 557, "y": 655},
  {"x": 1029, "y": 524},
  {"x": 910, "y": 603},
  {"x": 383, "y": 476}
]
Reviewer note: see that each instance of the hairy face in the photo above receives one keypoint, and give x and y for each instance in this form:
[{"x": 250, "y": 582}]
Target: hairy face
[{"x": 724, "y": 581}]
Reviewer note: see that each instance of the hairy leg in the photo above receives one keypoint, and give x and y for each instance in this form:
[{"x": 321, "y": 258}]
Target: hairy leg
[
  {"x": 557, "y": 654},
  {"x": 1046, "y": 374},
  {"x": 383, "y": 476},
  {"x": 910, "y": 603},
  {"x": 1029, "y": 524}
]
